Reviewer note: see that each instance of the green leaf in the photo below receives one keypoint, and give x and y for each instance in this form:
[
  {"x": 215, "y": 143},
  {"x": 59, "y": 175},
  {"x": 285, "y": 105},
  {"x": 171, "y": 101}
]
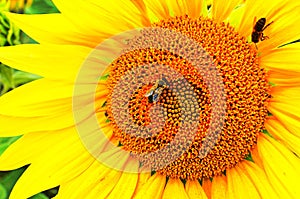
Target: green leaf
[
  {"x": 3, "y": 147},
  {"x": 272, "y": 84},
  {"x": 13, "y": 35},
  {"x": 3, "y": 29},
  {"x": 41, "y": 7},
  {"x": 104, "y": 77},
  {"x": 266, "y": 132},
  {"x": 51, "y": 192},
  {"x": 6, "y": 142},
  {"x": 7, "y": 75},
  {"x": 10, "y": 178},
  {"x": 21, "y": 77},
  {"x": 2, "y": 39},
  {"x": 39, "y": 196},
  {"x": 4, "y": 22},
  {"x": 10, "y": 78},
  {"x": 25, "y": 39},
  {"x": 4, "y": 86},
  {"x": 249, "y": 157},
  {"x": 3, "y": 192}
]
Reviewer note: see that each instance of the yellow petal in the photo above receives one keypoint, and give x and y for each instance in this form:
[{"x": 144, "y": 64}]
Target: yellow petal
[
  {"x": 221, "y": 10},
  {"x": 193, "y": 8},
  {"x": 239, "y": 185},
  {"x": 284, "y": 28},
  {"x": 164, "y": 9},
  {"x": 272, "y": 177},
  {"x": 174, "y": 189},
  {"x": 45, "y": 171},
  {"x": 287, "y": 114},
  {"x": 255, "y": 9},
  {"x": 285, "y": 58},
  {"x": 285, "y": 94},
  {"x": 289, "y": 121},
  {"x": 22, "y": 152},
  {"x": 284, "y": 78},
  {"x": 39, "y": 98},
  {"x": 178, "y": 7},
  {"x": 45, "y": 109},
  {"x": 143, "y": 179},
  {"x": 279, "y": 152},
  {"x": 101, "y": 17},
  {"x": 157, "y": 10},
  {"x": 196, "y": 8},
  {"x": 289, "y": 109},
  {"x": 278, "y": 131},
  {"x": 49, "y": 107},
  {"x": 54, "y": 29},
  {"x": 97, "y": 181},
  {"x": 140, "y": 5},
  {"x": 206, "y": 185},
  {"x": 194, "y": 190},
  {"x": 281, "y": 12},
  {"x": 235, "y": 16},
  {"x": 126, "y": 11},
  {"x": 284, "y": 106},
  {"x": 96, "y": 185},
  {"x": 256, "y": 157},
  {"x": 51, "y": 61},
  {"x": 103, "y": 187},
  {"x": 219, "y": 187},
  {"x": 34, "y": 124},
  {"x": 127, "y": 183},
  {"x": 281, "y": 166},
  {"x": 153, "y": 188},
  {"x": 259, "y": 179}
]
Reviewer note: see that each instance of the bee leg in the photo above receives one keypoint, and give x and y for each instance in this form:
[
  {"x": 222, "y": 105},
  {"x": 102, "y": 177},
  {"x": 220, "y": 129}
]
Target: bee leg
[
  {"x": 149, "y": 93},
  {"x": 263, "y": 37}
]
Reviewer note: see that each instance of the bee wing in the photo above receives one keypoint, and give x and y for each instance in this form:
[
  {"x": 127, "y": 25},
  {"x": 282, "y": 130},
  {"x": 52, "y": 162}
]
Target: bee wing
[
  {"x": 267, "y": 25},
  {"x": 150, "y": 92},
  {"x": 155, "y": 97},
  {"x": 254, "y": 23}
]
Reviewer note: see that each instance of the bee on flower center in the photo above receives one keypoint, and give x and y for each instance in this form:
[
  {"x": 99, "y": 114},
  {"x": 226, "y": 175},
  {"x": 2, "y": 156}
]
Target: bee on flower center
[{"x": 156, "y": 90}]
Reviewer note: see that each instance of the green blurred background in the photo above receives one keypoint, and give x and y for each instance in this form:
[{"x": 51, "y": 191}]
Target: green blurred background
[{"x": 12, "y": 78}]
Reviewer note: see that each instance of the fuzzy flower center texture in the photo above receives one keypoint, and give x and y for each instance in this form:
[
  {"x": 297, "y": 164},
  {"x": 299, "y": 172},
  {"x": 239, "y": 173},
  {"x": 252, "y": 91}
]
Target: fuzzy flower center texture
[{"x": 246, "y": 90}]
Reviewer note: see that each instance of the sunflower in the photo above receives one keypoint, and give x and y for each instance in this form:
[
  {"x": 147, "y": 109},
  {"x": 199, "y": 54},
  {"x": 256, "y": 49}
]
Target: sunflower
[{"x": 156, "y": 99}]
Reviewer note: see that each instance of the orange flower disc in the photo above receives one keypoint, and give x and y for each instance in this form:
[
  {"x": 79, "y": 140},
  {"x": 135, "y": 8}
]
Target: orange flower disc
[{"x": 247, "y": 94}]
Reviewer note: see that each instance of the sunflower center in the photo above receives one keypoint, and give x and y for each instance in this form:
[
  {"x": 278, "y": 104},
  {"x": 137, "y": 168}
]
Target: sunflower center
[{"x": 157, "y": 104}]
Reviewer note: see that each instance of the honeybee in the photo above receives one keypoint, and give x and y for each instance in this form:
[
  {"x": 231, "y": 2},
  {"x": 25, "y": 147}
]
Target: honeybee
[
  {"x": 156, "y": 90},
  {"x": 259, "y": 27}
]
